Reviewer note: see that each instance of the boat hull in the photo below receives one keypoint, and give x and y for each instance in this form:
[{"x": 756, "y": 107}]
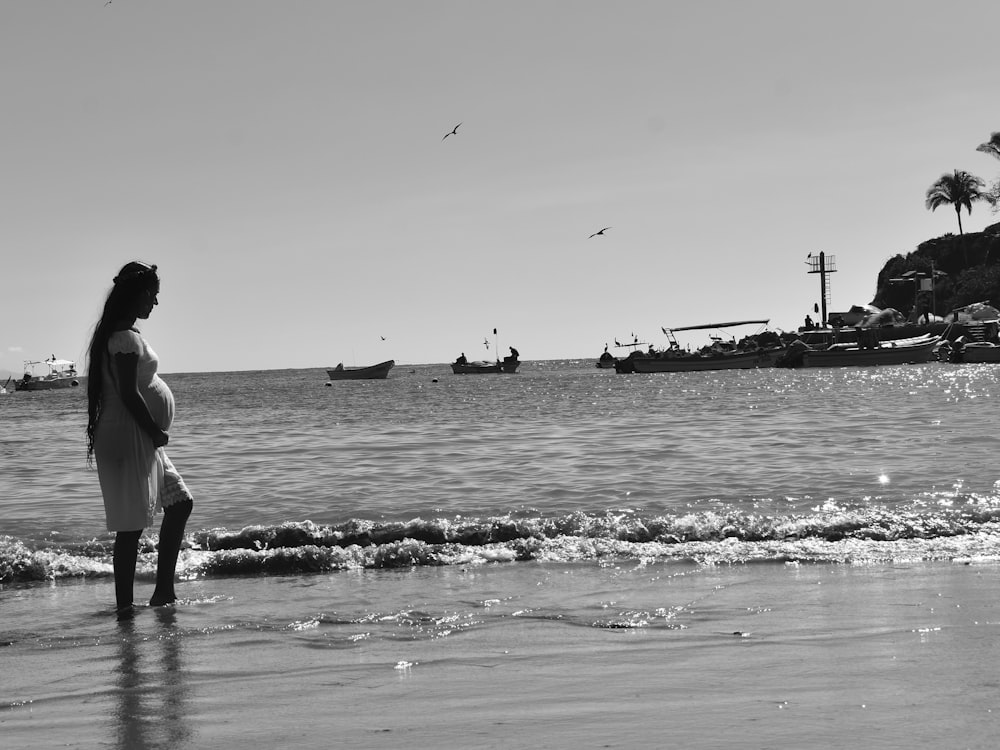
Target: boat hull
[
  {"x": 698, "y": 363},
  {"x": 882, "y": 355},
  {"x": 46, "y": 384},
  {"x": 372, "y": 372},
  {"x": 508, "y": 366},
  {"x": 977, "y": 353}
]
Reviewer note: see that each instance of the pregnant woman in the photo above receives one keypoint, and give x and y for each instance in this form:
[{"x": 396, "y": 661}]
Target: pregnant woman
[{"x": 129, "y": 414}]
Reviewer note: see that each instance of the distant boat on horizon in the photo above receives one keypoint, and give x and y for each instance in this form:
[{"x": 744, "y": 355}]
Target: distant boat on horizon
[
  {"x": 378, "y": 371},
  {"x": 61, "y": 374}
]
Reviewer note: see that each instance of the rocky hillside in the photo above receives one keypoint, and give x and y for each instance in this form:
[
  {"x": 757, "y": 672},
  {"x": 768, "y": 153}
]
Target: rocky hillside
[{"x": 967, "y": 270}]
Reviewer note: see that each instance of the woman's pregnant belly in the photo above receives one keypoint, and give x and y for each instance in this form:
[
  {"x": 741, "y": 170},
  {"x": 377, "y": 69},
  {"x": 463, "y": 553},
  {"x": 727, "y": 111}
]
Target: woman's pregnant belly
[{"x": 160, "y": 401}]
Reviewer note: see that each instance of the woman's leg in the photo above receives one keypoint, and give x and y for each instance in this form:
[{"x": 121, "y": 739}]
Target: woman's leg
[
  {"x": 125, "y": 554},
  {"x": 171, "y": 535}
]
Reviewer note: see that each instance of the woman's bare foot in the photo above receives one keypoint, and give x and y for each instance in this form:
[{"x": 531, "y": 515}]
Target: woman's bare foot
[{"x": 159, "y": 600}]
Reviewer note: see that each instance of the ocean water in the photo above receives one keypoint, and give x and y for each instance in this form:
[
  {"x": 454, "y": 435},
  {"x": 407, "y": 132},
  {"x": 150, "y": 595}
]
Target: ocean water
[
  {"x": 561, "y": 461},
  {"x": 457, "y": 520}
]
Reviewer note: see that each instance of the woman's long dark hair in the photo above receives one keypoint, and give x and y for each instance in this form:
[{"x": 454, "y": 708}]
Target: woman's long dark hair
[{"x": 134, "y": 279}]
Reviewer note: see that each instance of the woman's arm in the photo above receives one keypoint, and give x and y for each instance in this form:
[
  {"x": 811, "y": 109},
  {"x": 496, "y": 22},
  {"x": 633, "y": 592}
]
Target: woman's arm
[{"x": 127, "y": 366}]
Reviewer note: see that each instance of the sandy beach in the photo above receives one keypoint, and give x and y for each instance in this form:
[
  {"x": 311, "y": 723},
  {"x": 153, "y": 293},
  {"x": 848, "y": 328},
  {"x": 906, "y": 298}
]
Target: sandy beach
[{"x": 764, "y": 656}]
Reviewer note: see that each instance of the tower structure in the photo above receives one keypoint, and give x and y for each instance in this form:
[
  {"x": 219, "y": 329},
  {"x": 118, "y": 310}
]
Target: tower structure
[{"x": 824, "y": 265}]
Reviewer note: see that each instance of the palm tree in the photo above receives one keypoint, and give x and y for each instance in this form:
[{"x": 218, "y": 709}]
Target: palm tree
[
  {"x": 992, "y": 147},
  {"x": 958, "y": 189}
]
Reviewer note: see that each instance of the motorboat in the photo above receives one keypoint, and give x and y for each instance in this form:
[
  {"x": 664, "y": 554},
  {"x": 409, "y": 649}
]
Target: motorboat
[
  {"x": 864, "y": 352},
  {"x": 759, "y": 350},
  {"x": 707, "y": 360},
  {"x": 55, "y": 373},
  {"x": 962, "y": 351}
]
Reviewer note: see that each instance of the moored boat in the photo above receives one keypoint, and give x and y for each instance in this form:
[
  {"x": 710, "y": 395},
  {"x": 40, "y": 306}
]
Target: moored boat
[
  {"x": 698, "y": 361},
  {"x": 508, "y": 365},
  {"x": 371, "y": 372},
  {"x": 974, "y": 352},
  {"x": 759, "y": 350},
  {"x": 60, "y": 373},
  {"x": 863, "y": 353}
]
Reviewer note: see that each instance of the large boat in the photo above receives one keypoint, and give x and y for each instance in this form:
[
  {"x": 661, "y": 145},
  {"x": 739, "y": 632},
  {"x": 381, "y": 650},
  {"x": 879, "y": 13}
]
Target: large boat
[
  {"x": 864, "y": 353},
  {"x": 57, "y": 373},
  {"x": 961, "y": 351},
  {"x": 980, "y": 351},
  {"x": 977, "y": 341},
  {"x": 752, "y": 352},
  {"x": 508, "y": 365},
  {"x": 702, "y": 360},
  {"x": 371, "y": 372}
]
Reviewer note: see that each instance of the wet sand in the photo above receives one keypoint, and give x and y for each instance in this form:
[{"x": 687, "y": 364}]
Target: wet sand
[{"x": 761, "y": 656}]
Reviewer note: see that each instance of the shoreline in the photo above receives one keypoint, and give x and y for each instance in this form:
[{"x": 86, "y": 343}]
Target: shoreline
[{"x": 553, "y": 656}]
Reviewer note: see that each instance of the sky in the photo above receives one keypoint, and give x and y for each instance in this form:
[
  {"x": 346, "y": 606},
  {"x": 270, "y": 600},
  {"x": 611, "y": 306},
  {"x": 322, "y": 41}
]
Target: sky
[{"x": 285, "y": 165}]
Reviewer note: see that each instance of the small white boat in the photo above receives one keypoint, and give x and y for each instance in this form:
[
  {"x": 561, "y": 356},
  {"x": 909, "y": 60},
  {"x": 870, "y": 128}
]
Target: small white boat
[{"x": 57, "y": 373}]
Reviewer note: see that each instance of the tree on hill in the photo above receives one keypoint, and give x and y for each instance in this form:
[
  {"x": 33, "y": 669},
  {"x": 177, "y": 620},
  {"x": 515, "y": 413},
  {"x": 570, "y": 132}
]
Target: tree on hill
[
  {"x": 958, "y": 189},
  {"x": 992, "y": 147},
  {"x": 969, "y": 272}
]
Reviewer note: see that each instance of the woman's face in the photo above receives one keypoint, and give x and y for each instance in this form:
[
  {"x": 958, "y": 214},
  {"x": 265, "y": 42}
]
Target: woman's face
[{"x": 146, "y": 302}]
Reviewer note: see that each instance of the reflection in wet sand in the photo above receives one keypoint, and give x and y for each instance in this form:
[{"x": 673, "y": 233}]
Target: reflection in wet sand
[{"x": 151, "y": 685}]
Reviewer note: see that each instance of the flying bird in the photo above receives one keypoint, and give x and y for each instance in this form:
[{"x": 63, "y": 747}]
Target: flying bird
[
  {"x": 600, "y": 232},
  {"x": 454, "y": 131},
  {"x": 382, "y": 337}
]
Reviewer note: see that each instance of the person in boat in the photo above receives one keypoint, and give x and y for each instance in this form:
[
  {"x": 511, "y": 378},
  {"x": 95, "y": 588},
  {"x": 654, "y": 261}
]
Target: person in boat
[
  {"x": 129, "y": 412},
  {"x": 339, "y": 367},
  {"x": 461, "y": 360},
  {"x": 514, "y": 353},
  {"x": 957, "y": 352},
  {"x": 809, "y": 325}
]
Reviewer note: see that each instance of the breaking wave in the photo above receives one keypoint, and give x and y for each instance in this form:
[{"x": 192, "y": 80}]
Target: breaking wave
[{"x": 829, "y": 535}]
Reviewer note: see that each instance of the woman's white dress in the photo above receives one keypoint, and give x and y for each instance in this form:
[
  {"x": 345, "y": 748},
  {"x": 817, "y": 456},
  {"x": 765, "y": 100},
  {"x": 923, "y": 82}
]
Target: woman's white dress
[{"x": 136, "y": 479}]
